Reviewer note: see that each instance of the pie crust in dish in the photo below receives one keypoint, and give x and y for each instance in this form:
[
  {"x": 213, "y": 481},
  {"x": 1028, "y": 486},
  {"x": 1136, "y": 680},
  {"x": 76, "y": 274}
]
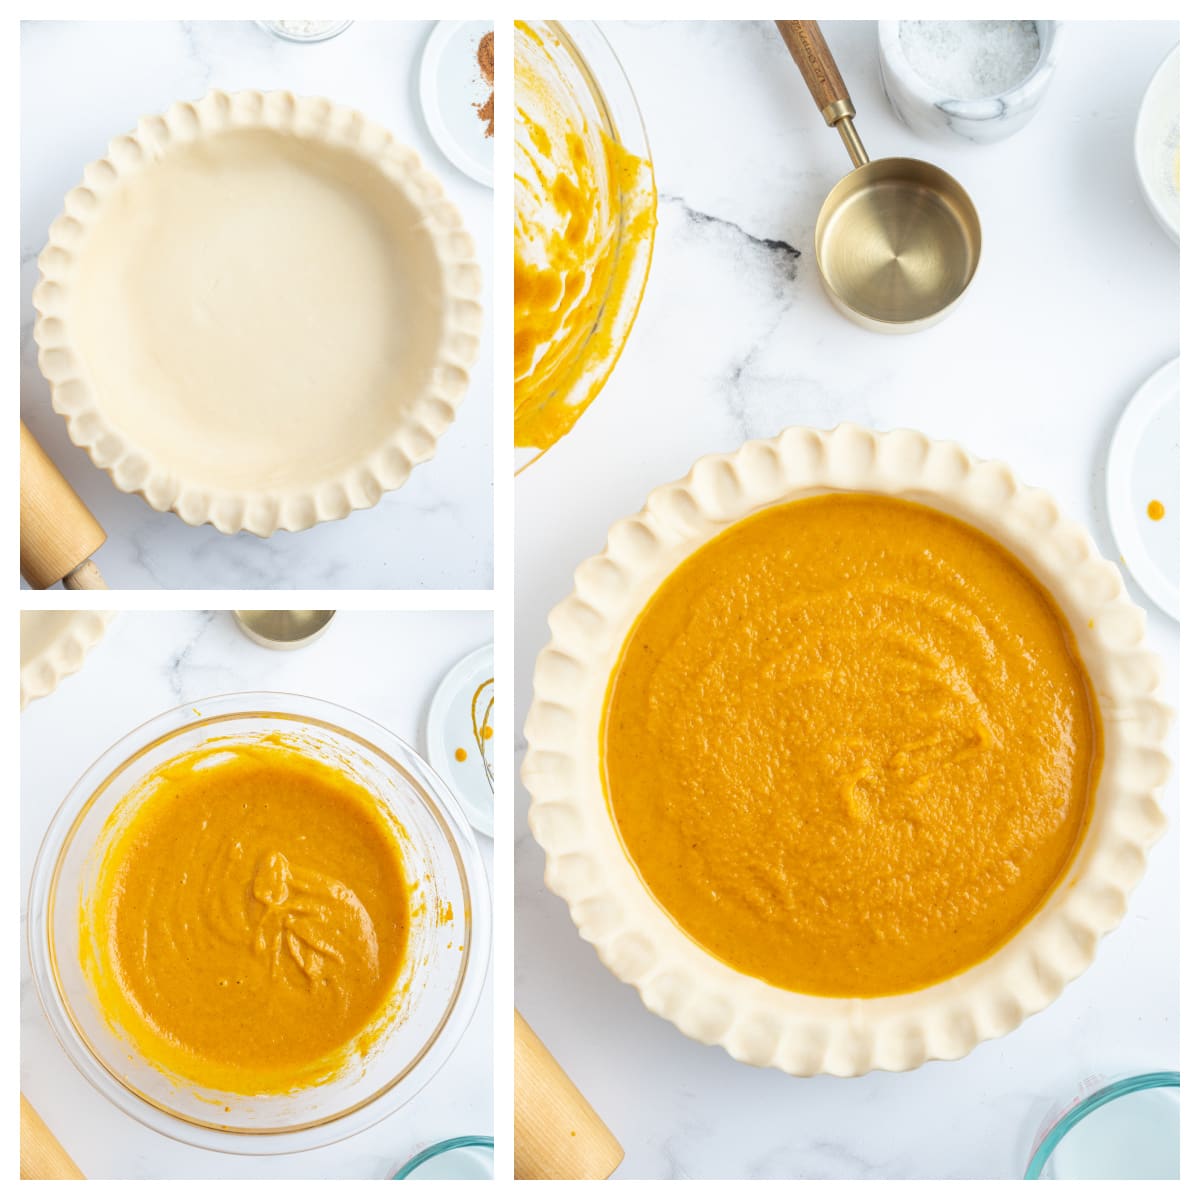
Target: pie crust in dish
[
  {"x": 54, "y": 644},
  {"x": 258, "y": 311},
  {"x": 587, "y": 864}
]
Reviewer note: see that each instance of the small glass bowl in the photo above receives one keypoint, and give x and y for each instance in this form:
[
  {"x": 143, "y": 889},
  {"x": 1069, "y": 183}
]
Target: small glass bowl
[
  {"x": 434, "y": 1003},
  {"x": 320, "y": 35},
  {"x": 1121, "y": 1151},
  {"x": 455, "y": 1158}
]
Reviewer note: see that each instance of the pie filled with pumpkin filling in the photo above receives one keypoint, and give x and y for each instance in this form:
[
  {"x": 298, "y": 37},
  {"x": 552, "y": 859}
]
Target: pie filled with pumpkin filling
[
  {"x": 850, "y": 746},
  {"x": 250, "y": 918}
]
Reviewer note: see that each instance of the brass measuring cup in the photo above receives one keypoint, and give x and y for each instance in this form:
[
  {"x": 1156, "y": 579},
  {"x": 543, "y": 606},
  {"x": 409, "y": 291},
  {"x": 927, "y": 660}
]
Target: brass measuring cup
[{"x": 897, "y": 240}]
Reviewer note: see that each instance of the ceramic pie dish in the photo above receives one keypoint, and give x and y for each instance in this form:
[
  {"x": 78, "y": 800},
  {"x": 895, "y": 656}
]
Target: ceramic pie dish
[
  {"x": 635, "y": 936},
  {"x": 54, "y": 645},
  {"x": 258, "y": 311}
]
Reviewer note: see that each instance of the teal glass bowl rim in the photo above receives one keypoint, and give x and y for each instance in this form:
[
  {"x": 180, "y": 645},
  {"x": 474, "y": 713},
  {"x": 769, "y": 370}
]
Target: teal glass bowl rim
[
  {"x": 440, "y": 1148},
  {"x": 1087, "y": 1106}
]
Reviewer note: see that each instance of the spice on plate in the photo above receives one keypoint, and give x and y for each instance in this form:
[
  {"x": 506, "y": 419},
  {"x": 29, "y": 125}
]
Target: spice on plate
[{"x": 486, "y": 57}]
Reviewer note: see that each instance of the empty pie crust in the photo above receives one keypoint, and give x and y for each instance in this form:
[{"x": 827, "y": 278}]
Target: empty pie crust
[
  {"x": 53, "y": 645},
  {"x": 258, "y": 311},
  {"x": 635, "y": 937}
]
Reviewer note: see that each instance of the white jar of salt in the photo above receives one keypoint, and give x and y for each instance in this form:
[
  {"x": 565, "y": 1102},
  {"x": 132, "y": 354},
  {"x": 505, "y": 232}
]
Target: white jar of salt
[{"x": 979, "y": 80}]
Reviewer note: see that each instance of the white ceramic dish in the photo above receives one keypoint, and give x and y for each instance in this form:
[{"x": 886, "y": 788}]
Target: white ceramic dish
[
  {"x": 54, "y": 643},
  {"x": 586, "y": 863},
  {"x": 1156, "y": 144},
  {"x": 258, "y": 311},
  {"x": 930, "y": 112},
  {"x": 1143, "y": 466},
  {"x": 461, "y": 718},
  {"x": 452, "y": 88}
]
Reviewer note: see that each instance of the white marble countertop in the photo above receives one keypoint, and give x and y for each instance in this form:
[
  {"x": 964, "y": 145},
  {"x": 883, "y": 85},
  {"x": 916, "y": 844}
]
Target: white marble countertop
[
  {"x": 436, "y": 531},
  {"x": 150, "y": 662},
  {"x": 1075, "y": 304}
]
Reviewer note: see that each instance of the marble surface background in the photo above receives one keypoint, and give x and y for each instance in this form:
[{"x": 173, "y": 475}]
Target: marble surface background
[
  {"x": 384, "y": 665},
  {"x": 1075, "y": 304},
  {"x": 436, "y": 531}
]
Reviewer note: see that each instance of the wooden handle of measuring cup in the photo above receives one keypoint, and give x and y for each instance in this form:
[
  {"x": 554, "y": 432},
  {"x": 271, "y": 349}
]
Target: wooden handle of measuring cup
[
  {"x": 59, "y": 535},
  {"x": 557, "y": 1132},
  {"x": 42, "y": 1155},
  {"x": 811, "y": 52}
]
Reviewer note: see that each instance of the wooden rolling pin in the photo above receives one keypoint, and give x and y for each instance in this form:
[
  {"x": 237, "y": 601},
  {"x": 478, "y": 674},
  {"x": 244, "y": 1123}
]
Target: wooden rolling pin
[
  {"x": 42, "y": 1155},
  {"x": 558, "y": 1134},
  {"x": 59, "y": 535}
]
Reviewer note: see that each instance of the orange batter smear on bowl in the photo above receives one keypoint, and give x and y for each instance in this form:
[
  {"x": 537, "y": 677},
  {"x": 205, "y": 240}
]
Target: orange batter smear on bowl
[
  {"x": 850, "y": 746},
  {"x": 584, "y": 231},
  {"x": 249, "y": 920}
]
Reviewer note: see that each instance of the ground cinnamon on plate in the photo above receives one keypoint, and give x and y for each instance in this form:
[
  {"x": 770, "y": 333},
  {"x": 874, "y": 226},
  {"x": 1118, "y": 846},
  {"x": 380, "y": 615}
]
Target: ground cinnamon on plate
[{"x": 486, "y": 57}]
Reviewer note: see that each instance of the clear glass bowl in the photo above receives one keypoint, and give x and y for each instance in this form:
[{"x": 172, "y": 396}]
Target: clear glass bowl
[
  {"x": 456, "y": 1158},
  {"x": 590, "y": 86},
  {"x": 1128, "y": 1129},
  {"x": 325, "y": 31},
  {"x": 440, "y": 986}
]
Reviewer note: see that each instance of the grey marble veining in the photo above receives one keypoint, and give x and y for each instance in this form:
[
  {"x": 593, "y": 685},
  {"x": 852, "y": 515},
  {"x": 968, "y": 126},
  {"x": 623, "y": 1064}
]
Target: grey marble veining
[
  {"x": 1075, "y": 304},
  {"x": 435, "y": 531}
]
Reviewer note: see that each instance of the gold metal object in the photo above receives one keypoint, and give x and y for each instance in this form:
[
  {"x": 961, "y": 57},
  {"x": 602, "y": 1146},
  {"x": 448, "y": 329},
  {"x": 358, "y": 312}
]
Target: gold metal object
[
  {"x": 897, "y": 243},
  {"x": 283, "y": 628},
  {"x": 898, "y": 240}
]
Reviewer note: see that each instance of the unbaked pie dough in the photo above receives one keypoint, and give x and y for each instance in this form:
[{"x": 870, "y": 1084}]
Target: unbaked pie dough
[{"x": 268, "y": 311}]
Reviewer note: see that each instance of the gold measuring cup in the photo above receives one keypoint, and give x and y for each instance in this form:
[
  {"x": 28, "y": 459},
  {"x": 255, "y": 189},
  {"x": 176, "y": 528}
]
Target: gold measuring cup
[{"x": 897, "y": 240}]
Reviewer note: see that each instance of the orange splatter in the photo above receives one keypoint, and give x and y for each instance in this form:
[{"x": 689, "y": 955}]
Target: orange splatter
[
  {"x": 460, "y": 755},
  {"x": 1155, "y": 510}
]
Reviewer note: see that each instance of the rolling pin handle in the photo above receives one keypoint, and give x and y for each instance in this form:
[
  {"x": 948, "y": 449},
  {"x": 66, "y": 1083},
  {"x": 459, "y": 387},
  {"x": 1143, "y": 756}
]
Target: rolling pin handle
[
  {"x": 558, "y": 1134},
  {"x": 85, "y": 578},
  {"x": 42, "y": 1154}
]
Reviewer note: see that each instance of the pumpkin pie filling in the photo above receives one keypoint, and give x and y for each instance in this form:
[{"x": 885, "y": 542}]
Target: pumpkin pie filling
[
  {"x": 249, "y": 920},
  {"x": 850, "y": 746}
]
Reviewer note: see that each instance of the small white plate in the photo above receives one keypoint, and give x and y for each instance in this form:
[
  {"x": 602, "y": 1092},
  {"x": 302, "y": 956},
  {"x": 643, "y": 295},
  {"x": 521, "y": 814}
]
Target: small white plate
[
  {"x": 459, "y": 743},
  {"x": 1143, "y": 467},
  {"x": 1156, "y": 144},
  {"x": 452, "y": 89}
]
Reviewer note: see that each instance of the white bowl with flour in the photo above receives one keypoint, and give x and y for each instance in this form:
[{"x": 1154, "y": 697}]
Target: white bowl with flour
[
  {"x": 1156, "y": 144},
  {"x": 979, "y": 80}
]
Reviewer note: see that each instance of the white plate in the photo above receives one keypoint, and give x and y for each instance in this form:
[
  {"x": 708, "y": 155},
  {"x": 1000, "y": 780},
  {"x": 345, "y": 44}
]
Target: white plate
[
  {"x": 1156, "y": 144},
  {"x": 458, "y": 717},
  {"x": 451, "y": 89},
  {"x": 1143, "y": 466}
]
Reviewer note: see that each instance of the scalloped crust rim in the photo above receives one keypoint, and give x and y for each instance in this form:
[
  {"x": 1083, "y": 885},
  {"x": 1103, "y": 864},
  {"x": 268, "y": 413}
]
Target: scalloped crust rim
[
  {"x": 64, "y": 656},
  {"x": 427, "y": 416},
  {"x": 586, "y": 864}
]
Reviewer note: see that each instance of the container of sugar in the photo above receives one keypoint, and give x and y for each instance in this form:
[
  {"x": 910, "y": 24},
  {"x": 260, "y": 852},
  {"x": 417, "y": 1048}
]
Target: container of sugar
[{"x": 978, "y": 80}]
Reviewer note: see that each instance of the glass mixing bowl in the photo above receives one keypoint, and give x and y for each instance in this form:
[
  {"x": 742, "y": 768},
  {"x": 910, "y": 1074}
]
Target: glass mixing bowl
[
  {"x": 1128, "y": 1129},
  {"x": 582, "y": 81},
  {"x": 439, "y": 986}
]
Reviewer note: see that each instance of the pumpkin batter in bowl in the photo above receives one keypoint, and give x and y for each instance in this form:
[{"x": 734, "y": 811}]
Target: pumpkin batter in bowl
[
  {"x": 850, "y": 745},
  {"x": 361, "y": 957},
  {"x": 249, "y": 921}
]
